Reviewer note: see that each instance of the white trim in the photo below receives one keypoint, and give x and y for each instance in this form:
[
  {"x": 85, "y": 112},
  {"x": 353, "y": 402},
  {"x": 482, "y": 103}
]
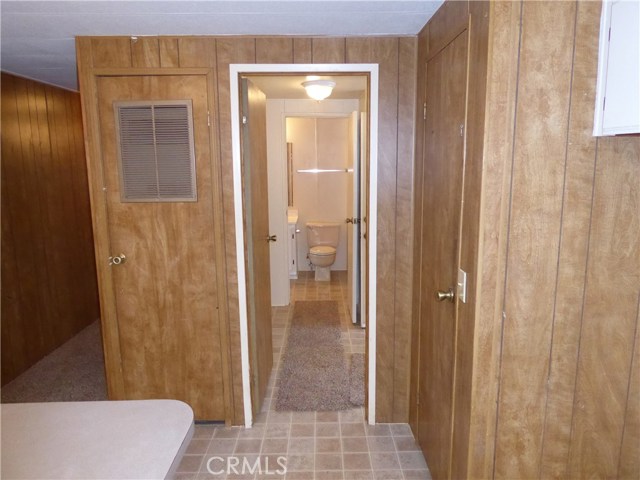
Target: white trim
[{"x": 235, "y": 70}]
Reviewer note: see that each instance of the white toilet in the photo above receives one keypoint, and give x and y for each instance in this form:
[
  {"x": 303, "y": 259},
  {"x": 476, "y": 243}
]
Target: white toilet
[{"x": 323, "y": 238}]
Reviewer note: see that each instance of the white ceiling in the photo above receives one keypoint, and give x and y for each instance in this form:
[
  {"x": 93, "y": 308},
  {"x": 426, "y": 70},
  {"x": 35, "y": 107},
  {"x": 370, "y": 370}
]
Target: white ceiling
[{"x": 38, "y": 36}]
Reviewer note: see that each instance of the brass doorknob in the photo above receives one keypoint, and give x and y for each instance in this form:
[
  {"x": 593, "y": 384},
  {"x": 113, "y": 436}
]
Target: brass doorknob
[
  {"x": 117, "y": 260},
  {"x": 448, "y": 295},
  {"x": 272, "y": 238}
]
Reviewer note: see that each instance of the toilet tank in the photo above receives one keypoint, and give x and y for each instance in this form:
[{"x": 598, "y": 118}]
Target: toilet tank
[{"x": 323, "y": 233}]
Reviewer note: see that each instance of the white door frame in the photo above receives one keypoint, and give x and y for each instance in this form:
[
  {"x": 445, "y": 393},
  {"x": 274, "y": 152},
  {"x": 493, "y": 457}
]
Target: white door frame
[{"x": 235, "y": 71}]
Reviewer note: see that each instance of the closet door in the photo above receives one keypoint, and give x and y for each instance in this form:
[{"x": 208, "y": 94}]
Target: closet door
[
  {"x": 159, "y": 198},
  {"x": 443, "y": 161}
]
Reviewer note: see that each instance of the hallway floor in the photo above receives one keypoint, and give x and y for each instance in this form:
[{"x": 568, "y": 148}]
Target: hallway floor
[{"x": 314, "y": 445}]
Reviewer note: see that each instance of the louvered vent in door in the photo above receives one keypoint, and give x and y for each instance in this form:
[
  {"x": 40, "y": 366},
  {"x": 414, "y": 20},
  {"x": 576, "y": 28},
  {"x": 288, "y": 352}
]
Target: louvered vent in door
[{"x": 156, "y": 153}]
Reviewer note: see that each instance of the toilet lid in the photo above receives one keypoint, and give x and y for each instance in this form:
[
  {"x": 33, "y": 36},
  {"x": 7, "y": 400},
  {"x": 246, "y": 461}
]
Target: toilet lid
[{"x": 323, "y": 250}]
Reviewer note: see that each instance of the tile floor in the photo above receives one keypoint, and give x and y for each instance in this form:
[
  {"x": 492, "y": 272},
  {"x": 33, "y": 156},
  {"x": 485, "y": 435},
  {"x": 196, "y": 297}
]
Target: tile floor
[{"x": 312, "y": 445}]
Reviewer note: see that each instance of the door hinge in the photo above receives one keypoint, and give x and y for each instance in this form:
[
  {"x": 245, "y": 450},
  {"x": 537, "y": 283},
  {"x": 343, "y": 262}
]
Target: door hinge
[
  {"x": 604, "y": 103},
  {"x": 208, "y": 119},
  {"x": 424, "y": 111},
  {"x": 244, "y": 119},
  {"x": 462, "y": 129},
  {"x": 418, "y": 398}
]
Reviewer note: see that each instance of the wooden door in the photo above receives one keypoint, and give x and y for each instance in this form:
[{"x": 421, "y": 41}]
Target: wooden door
[
  {"x": 442, "y": 190},
  {"x": 166, "y": 294},
  {"x": 256, "y": 210},
  {"x": 353, "y": 220}
]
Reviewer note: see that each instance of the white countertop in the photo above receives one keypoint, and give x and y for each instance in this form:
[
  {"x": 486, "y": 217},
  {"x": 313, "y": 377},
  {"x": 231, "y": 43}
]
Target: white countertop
[{"x": 137, "y": 439}]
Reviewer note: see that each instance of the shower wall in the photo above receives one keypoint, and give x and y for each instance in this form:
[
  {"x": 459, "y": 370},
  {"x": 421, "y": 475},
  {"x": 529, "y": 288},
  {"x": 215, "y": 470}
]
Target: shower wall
[{"x": 321, "y": 143}]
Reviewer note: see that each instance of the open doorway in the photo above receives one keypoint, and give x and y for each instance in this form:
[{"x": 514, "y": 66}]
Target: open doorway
[{"x": 361, "y": 119}]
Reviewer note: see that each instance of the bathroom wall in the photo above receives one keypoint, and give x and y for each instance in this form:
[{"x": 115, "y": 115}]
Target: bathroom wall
[
  {"x": 278, "y": 110},
  {"x": 320, "y": 196}
]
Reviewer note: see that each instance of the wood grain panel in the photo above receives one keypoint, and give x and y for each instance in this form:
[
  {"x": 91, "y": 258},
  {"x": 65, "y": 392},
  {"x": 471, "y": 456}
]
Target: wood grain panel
[
  {"x": 385, "y": 52},
  {"x": 469, "y": 232},
  {"x": 170, "y": 272},
  {"x": 417, "y": 227},
  {"x": 610, "y": 311},
  {"x": 539, "y": 158},
  {"x": 274, "y": 50},
  {"x": 407, "y": 51},
  {"x": 197, "y": 52},
  {"x": 91, "y": 121},
  {"x": 145, "y": 52},
  {"x": 255, "y": 191},
  {"x": 504, "y": 32},
  {"x": 302, "y": 50},
  {"x": 328, "y": 50},
  {"x": 169, "y": 53},
  {"x": 111, "y": 52},
  {"x": 231, "y": 50},
  {"x": 446, "y": 24},
  {"x": 576, "y": 217},
  {"x": 48, "y": 274},
  {"x": 629, "y": 463}
]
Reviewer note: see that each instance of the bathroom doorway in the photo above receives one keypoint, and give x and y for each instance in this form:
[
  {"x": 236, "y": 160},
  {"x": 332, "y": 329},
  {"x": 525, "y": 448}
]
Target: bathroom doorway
[{"x": 366, "y": 101}]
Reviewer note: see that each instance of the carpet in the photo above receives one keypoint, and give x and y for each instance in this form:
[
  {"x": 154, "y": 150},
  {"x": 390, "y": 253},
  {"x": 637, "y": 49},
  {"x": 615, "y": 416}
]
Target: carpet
[
  {"x": 73, "y": 372},
  {"x": 314, "y": 375}
]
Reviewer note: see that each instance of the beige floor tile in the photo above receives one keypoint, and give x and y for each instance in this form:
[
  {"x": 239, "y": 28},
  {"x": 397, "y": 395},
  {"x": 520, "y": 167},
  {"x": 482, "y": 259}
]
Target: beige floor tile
[
  {"x": 327, "y": 430},
  {"x": 381, "y": 444},
  {"x": 328, "y": 461},
  {"x": 356, "y": 461},
  {"x": 328, "y": 445},
  {"x": 302, "y": 445},
  {"x": 355, "y": 445},
  {"x": 384, "y": 461}
]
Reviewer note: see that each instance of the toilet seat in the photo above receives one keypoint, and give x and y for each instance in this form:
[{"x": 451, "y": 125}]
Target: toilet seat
[{"x": 322, "y": 250}]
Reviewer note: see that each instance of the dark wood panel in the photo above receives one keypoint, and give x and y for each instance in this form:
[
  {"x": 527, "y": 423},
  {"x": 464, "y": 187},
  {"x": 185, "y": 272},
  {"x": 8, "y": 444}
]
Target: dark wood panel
[
  {"x": 328, "y": 50},
  {"x": 274, "y": 50},
  {"x": 145, "y": 52},
  {"x": 48, "y": 273}
]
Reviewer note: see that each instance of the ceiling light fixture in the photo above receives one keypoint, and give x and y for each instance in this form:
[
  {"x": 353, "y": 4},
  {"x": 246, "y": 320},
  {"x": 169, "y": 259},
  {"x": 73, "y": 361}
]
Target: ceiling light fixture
[{"x": 318, "y": 89}]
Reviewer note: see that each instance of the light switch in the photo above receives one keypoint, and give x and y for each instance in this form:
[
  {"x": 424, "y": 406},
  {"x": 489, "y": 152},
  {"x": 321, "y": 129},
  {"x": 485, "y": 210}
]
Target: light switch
[{"x": 462, "y": 285}]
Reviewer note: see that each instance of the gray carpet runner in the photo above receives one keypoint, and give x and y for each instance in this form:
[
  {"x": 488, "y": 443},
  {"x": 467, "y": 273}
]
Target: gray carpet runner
[{"x": 314, "y": 375}]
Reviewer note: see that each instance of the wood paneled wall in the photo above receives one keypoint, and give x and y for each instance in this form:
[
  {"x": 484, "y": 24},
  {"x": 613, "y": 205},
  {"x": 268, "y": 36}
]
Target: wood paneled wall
[
  {"x": 448, "y": 22},
  {"x": 396, "y": 57},
  {"x": 49, "y": 290},
  {"x": 556, "y": 356}
]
